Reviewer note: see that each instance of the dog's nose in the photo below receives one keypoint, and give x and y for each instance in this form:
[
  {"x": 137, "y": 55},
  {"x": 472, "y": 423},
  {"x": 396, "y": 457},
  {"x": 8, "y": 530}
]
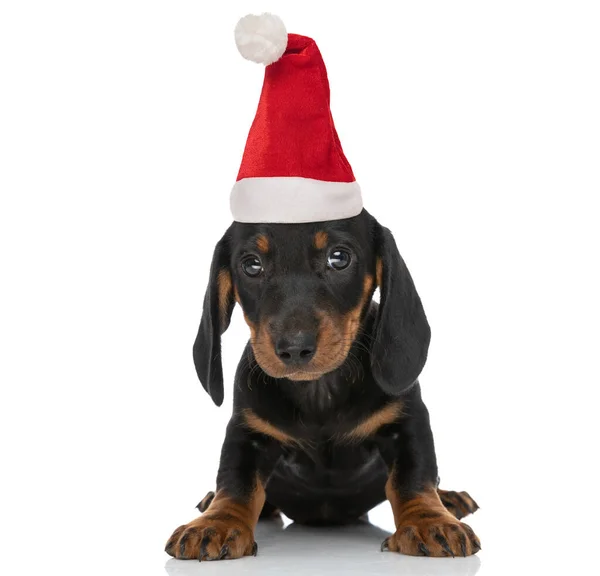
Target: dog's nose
[{"x": 296, "y": 349}]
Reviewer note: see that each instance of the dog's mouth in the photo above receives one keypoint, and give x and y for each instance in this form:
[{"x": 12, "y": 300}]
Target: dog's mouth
[
  {"x": 301, "y": 375},
  {"x": 328, "y": 357},
  {"x": 295, "y": 374}
]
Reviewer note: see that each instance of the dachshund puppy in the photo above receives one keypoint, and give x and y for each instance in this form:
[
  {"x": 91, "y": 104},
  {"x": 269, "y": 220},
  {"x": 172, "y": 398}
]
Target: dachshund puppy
[{"x": 328, "y": 419}]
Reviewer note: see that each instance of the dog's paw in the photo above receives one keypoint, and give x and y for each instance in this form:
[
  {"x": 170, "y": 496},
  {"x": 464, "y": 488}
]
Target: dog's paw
[
  {"x": 212, "y": 537},
  {"x": 458, "y": 503},
  {"x": 436, "y": 536}
]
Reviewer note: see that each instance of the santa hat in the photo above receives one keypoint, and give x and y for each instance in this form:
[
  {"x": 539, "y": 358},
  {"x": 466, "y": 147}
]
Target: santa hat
[{"x": 293, "y": 168}]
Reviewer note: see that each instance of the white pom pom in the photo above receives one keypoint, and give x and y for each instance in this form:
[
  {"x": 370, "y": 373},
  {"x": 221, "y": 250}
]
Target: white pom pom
[{"x": 262, "y": 39}]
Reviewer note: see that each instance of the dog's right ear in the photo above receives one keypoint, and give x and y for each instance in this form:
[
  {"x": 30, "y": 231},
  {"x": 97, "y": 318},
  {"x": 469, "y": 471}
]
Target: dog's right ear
[{"x": 216, "y": 315}]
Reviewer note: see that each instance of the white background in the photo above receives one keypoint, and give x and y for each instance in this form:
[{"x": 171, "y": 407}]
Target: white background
[{"x": 474, "y": 131}]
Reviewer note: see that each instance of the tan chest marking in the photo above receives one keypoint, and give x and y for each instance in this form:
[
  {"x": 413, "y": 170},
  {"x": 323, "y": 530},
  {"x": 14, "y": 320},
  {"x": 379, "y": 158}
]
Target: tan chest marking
[
  {"x": 257, "y": 424},
  {"x": 369, "y": 426}
]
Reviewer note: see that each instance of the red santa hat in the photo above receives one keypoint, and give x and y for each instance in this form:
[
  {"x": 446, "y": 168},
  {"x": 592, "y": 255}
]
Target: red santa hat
[{"x": 293, "y": 168}]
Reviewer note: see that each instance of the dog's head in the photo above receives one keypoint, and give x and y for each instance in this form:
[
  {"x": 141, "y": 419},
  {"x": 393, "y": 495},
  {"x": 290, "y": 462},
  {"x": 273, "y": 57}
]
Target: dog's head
[{"x": 305, "y": 290}]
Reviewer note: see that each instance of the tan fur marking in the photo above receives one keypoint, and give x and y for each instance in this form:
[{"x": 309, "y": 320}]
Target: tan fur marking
[
  {"x": 251, "y": 324},
  {"x": 460, "y": 504},
  {"x": 379, "y": 272},
  {"x": 224, "y": 289},
  {"x": 428, "y": 500},
  {"x": 370, "y": 425},
  {"x": 262, "y": 243},
  {"x": 227, "y": 521},
  {"x": 259, "y": 425},
  {"x": 264, "y": 350},
  {"x": 353, "y": 317},
  {"x": 247, "y": 512},
  {"x": 252, "y": 327},
  {"x": 321, "y": 239},
  {"x": 424, "y": 527}
]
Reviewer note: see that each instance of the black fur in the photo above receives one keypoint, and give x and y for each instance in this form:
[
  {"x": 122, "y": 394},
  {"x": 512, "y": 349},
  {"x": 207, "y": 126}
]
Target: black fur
[
  {"x": 323, "y": 476},
  {"x": 401, "y": 334},
  {"x": 207, "y": 347}
]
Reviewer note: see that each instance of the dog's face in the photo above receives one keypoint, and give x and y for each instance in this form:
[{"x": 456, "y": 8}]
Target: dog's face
[{"x": 304, "y": 290}]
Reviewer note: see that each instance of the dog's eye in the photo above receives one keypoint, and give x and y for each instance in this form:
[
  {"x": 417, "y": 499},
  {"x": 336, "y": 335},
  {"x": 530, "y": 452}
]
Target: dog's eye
[
  {"x": 338, "y": 259},
  {"x": 252, "y": 266}
]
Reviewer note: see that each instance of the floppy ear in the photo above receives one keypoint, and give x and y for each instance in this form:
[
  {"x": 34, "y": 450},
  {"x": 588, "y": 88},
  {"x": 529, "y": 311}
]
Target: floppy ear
[
  {"x": 216, "y": 315},
  {"x": 402, "y": 333}
]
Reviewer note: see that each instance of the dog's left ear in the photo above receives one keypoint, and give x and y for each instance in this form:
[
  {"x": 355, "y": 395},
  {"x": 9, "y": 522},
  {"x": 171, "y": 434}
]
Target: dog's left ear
[
  {"x": 216, "y": 315},
  {"x": 402, "y": 333}
]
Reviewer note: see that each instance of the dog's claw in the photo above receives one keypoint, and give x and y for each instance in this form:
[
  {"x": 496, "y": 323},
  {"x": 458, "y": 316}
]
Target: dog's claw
[
  {"x": 444, "y": 544},
  {"x": 423, "y": 549},
  {"x": 254, "y": 549},
  {"x": 182, "y": 546},
  {"x": 463, "y": 544},
  {"x": 224, "y": 551},
  {"x": 385, "y": 545},
  {"x": 204, "y": 544}
]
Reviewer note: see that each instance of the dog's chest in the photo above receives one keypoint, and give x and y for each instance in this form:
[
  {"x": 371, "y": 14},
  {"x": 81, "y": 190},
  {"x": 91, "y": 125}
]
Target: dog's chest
[
  {"x": 320, "y": 413},
  {"x": 317, "y": 401},
  {"x": 330, "y": 465}
]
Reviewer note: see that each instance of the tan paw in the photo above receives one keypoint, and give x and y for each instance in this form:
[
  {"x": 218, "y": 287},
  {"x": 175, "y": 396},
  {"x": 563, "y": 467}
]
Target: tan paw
[
  {"x": 458, "y": 503},
  {"x": 216, "y": 536},
  {"x": 433, "y": 534}
]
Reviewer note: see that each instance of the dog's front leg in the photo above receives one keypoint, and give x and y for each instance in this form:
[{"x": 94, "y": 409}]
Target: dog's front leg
[
  {"x": 226, "y": 529},
  {"x": 424, "y": 526}
]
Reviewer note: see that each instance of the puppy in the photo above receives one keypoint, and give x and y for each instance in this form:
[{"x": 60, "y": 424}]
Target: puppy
[{"x": 328, "y": 419}]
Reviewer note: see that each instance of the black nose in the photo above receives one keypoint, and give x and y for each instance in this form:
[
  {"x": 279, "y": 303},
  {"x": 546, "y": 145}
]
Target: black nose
[{"x": 296, "y": 349}]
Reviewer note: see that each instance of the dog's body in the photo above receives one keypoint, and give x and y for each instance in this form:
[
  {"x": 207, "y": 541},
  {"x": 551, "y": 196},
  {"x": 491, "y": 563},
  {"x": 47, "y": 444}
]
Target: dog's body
[
  {"x": 332, "y": 440},
  {"x": 328, "y": 419}
]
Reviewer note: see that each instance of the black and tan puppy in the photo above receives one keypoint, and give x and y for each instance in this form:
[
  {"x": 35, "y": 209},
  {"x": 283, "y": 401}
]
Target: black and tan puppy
[{"x": 328, "y": 419}]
